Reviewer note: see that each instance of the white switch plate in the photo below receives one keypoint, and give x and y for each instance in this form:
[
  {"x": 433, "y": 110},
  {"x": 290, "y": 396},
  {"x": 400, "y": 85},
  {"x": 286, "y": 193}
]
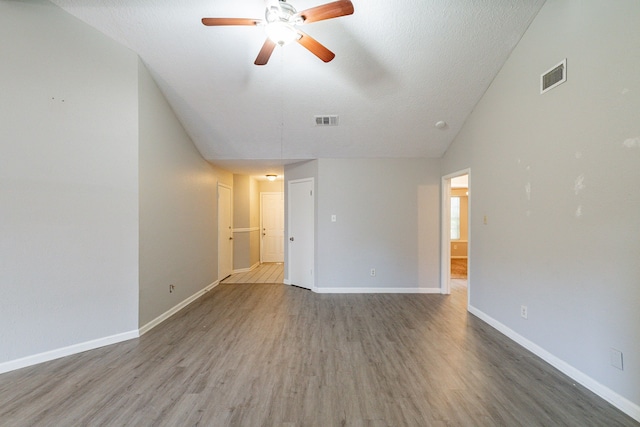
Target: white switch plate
[
  {"x": 333, "y": 218},
  {"x": 616, "y": 358}
]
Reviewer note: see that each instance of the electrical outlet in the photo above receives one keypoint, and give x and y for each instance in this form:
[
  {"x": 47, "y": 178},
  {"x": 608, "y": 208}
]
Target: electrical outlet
[
  {"x": 523, "y": 311},
  {"x": 372, "y": 272}
]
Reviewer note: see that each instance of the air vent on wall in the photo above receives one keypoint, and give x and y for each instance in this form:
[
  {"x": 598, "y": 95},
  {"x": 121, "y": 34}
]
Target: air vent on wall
[
  {"x": 325, "y": 120},
  {"x": 554, "y": 77}
]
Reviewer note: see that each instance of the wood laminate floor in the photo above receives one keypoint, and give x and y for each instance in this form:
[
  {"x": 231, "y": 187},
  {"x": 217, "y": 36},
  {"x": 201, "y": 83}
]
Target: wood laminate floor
[
  {"x": 270, "y": 272},
  {"x": 265, "y": 355}
]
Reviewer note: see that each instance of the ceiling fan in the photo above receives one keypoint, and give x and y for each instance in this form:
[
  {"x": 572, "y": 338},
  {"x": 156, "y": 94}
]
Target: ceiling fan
[{"x": 281, "y": 22}]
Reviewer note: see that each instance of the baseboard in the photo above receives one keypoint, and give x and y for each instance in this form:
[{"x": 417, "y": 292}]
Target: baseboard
[
  {"x": 620, "y": 402},
  {"x": 377, "y": 290},
  {"x": 246, "y": 270},
  {"x": 47, "y": 356},
  {"x": 164, "y": 316},
  {"x": 286, "y": 281}
]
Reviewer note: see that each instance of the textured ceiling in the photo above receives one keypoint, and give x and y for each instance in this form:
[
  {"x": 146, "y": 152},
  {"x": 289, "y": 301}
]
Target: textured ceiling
[{"x": 400, "y": 67}]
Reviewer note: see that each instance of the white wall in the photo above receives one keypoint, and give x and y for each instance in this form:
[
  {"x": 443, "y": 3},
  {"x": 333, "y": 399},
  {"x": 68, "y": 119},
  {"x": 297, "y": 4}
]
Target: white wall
[
  {"x": 556, "y": 175},
  {"x": 178, "y": 208},
  {"x": 68, "y": 184},
  {"x": 387, "y": 218}
]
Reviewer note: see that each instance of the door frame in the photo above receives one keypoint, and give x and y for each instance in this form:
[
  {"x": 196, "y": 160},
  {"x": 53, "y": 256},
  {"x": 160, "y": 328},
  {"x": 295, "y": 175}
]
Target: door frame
[
  {"x": 288, "y": 231},
  {"x": 269, "y": 193},
  {"x": 227, "y": 187},
  {"x": 445, "y": 234}
]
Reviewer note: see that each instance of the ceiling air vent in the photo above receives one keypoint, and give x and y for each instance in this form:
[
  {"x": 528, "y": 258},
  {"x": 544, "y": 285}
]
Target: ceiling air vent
[
  {"x": 554, "y": 77},
  {"x": 326, "y": 120}
]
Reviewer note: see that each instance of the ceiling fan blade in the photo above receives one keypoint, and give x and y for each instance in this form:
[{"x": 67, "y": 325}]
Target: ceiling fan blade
[
  {"x": 212, "y": 22},
  {"x": 265, "y": 52},
  {"x": 315, "y": 47},
  {"x": 327, "y": 11}
]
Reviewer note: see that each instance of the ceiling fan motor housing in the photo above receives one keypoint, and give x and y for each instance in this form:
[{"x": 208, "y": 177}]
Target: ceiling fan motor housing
[{"x": 282, "y": 12}]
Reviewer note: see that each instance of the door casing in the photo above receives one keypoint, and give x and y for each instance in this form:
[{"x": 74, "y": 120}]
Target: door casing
[
  {"x": 225, "y": 231},
  {"x": 445, "y": 235},
  {"x": 301, "y": 228},
  {"x": 267, "y": 230}
]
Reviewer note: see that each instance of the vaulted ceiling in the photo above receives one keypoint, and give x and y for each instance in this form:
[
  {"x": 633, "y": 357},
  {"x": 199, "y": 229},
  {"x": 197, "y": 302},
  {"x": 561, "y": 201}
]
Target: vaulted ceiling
[{"x": 401, "y": 66}]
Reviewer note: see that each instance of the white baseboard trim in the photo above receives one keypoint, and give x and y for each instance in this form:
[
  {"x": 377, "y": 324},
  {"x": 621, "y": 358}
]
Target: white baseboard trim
[
  {"x": 286, "y": 281},
  {"x": 47, "y": 356},
  {"x": 246, "y": 270},
  {"x": 377, "y": 290},
  {"x": 164, "y": 316},
  {"x": 620, "y": 402}
]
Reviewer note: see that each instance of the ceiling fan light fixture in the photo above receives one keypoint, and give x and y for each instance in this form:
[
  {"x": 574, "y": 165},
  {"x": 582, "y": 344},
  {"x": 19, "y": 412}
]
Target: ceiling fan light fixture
[{"x": 281, "y": 32}]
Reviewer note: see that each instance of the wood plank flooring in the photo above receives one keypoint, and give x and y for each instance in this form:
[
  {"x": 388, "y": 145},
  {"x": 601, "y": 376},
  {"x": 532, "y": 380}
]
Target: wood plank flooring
[
  {"x": 266, "y": 355},
  {"x": 265, "y": 273}
]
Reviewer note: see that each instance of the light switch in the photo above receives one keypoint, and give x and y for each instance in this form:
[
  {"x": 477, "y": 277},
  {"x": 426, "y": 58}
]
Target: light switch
[{"x": 333, "y": 218}]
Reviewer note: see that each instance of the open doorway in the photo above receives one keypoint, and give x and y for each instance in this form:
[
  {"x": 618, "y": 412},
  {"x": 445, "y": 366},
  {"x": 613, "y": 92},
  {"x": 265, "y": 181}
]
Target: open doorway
[{"x": 456, "y": 234}]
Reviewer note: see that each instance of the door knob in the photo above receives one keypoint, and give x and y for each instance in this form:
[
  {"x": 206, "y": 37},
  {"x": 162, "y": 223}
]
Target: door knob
[
  {"x": 230, "y": 238},
  {"x": 291, "y": 238}
]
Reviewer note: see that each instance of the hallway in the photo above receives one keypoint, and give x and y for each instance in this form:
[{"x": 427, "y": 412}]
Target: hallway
[{"x": 270, "y": 272}]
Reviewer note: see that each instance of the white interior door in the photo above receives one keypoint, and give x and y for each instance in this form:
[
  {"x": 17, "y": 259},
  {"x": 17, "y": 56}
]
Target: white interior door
[
  {"x": 301, "y": 233},
  {"x": 272, "y": 220},
  {"x": 225, "y": 233}
]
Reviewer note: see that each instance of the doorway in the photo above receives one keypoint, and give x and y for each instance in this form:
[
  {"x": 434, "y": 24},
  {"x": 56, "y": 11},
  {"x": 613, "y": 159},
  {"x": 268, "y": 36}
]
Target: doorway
[
  {"x": 225, "y": 233},
  {"x": 301, "y": 233},
  {"x": 456, "y": 229},
  {"x": 272, "y": 227}
]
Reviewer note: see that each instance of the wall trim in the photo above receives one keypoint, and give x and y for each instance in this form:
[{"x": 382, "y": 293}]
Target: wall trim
[
  {"x": 322, "y": 290},
  {"x": 164, "y": 316},
  {"x": 246, "y": 230},
  {"x": 620, "y": 402},
  {"x": 58, "y": 353},
  {"x": 246, "y": 270}
]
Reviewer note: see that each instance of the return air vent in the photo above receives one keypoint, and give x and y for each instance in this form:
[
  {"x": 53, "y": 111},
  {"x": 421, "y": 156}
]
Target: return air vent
[
  {"x": 325, "y": 120},
  {"x": 554, "y": 77}
]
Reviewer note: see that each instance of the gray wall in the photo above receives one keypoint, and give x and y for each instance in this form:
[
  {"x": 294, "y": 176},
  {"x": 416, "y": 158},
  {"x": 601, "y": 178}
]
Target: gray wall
[
  {"x": 254, "y": 222},
  {"x": 271, "y": 187},
  {"x": 178, "y": 208},
  {"x": 241, "y": 208},
  {"x": 387, "y": 213},
  {"x": 568, "y": 248},
  {"x": 68, "y": 182},
  {"x": 246, "y": 222}
]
